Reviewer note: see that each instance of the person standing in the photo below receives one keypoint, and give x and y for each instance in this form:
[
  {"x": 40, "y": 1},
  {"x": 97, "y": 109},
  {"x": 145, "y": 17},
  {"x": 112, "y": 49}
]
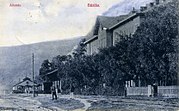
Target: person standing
[
  {"x": 54, "y": 94},
  {"x": 72, "y": 91}
]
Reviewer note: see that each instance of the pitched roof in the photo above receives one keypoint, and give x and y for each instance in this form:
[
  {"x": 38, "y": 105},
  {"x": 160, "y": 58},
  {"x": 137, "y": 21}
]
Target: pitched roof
[
  {"x": 105, "y": 22},
  {"x": 128, "y": 18},
  {"x": 24, "y": 80},
  {"x": 27, "y": 78},
  {"x": 108, "y": 22},
  {"x": 52, "y": 72},
  {"x": 91, "y": 39}
]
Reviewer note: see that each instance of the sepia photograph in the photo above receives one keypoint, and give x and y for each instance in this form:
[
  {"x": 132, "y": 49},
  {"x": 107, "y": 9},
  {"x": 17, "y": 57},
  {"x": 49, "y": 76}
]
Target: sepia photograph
[{"x": 89, "y": 55}]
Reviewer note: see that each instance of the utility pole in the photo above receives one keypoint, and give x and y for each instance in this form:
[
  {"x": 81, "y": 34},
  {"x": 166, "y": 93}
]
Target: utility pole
[{"x": 33, "y": 74}]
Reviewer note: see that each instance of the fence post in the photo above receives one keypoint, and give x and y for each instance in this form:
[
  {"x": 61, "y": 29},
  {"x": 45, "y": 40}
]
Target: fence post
[{"x": 149, "y": 90}]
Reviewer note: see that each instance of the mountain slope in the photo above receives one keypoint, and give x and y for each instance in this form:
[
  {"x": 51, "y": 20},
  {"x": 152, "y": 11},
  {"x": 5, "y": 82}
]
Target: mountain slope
[{"x": 16, "y": 62}]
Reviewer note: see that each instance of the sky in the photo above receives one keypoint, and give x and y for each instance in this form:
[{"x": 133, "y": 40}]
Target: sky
[
  {"x": 34, "y": 21},
  {"x": 46, "y": 20}
]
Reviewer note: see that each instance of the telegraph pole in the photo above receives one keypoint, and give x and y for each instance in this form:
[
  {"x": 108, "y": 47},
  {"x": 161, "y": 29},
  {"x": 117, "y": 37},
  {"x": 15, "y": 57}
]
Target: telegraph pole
[{"x": 33, "y": 74}]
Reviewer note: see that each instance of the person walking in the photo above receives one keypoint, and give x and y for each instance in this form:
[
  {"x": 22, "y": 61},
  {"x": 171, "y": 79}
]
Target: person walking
[{"x": 54, "y": 94}]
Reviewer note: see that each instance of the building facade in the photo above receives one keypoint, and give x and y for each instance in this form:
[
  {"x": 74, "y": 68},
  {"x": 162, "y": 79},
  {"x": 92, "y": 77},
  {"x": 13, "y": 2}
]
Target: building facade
[
  {"x": 108, "y": 30},
  {"x": 52, "y": 80},
  {"x": 26, "y": 86}
]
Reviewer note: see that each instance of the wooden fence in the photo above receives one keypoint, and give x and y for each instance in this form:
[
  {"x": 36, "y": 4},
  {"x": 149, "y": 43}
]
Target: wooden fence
[
  {"x": 168, "y": 91},
  {"x": 138, "y": 91},
  {"x": 164, "y": 91}
]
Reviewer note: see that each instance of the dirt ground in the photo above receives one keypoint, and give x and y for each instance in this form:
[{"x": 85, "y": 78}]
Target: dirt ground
[
  {"x": 86, "y": 103},
  {"x": 134, "y": 104}
]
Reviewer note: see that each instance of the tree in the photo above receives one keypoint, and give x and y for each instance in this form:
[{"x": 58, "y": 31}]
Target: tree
[
  {"x": 80, "y": 50},
  {"x": 156, "y": 38},
  {"x": 44, "y": 69}
]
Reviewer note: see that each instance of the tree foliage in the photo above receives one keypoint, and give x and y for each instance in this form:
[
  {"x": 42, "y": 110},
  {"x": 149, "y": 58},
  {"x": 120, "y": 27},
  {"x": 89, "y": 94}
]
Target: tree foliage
[{"x": 149, "y": 56}]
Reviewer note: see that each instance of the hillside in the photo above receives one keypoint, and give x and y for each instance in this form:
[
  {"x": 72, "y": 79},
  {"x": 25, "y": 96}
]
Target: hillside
[{"x": 16, "y": 62}]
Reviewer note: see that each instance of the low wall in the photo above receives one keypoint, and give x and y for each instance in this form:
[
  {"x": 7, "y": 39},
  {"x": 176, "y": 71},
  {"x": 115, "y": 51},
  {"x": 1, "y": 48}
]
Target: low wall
[
  {"x": 137, "y": 91},
  {"x": 168, "y": 91},
  {"x": 165, "y": 91}
]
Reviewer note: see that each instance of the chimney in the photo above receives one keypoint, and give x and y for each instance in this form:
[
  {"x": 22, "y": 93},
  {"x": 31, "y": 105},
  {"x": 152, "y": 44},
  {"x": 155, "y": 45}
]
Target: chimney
[
  {"x": 133, "y": 10},
  {"x": 143, "y": 8},
  {"x": 151, "y": 4},
  {"x": 164, "y": 0},
  {"x": 157, "y": 2}
]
